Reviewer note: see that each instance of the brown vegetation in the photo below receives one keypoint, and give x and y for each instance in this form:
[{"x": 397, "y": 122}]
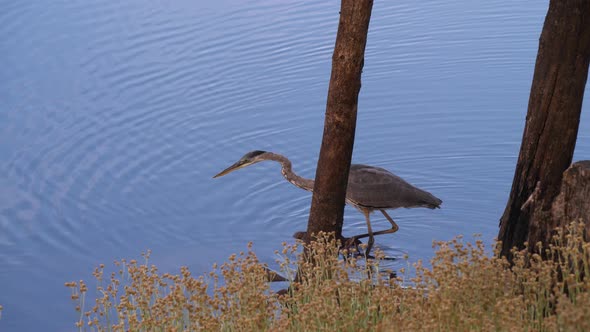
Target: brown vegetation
[{"x": 465, "y": 289}]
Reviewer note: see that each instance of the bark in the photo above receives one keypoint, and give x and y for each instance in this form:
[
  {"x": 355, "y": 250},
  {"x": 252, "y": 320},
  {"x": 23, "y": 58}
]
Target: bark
[
  {"x": 552, "y": 121},
  {"x": 573, "y": 203},
  {"x": 329, "y": 192}
]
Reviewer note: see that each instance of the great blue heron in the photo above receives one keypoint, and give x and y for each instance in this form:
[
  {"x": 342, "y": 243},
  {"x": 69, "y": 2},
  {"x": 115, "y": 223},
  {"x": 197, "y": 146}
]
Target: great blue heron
[{"x": 369, "y": 188}]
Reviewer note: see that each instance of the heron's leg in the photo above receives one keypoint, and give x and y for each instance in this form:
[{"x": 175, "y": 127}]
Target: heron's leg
[
  {"x": 371, "y": 238},
  {"x": 394, "y": 226},
  {"x": 386, "y": 231}
]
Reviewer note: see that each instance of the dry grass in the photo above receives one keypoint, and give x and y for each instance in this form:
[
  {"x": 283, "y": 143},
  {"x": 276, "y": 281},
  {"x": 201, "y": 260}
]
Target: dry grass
[{"x": 464, "y": 290}]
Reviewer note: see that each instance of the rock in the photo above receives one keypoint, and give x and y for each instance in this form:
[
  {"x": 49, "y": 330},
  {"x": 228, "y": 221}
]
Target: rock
[{"x": 573, "y": 200}]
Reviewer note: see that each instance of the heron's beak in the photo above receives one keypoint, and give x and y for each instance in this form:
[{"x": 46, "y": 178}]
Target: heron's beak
[{"x": 230, "y": 169}]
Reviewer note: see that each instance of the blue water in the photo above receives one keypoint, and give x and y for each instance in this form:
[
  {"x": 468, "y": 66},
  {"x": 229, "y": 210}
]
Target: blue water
[{"x": 114, "y": 116}]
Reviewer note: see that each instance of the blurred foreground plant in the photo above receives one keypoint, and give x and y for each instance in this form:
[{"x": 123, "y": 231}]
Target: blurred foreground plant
[{"x": 465, "y": 289}]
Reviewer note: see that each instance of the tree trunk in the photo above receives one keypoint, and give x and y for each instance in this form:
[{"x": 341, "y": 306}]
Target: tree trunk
[
  {"x": 552, "y": 121},
  {"x": 329, "y": 192}
]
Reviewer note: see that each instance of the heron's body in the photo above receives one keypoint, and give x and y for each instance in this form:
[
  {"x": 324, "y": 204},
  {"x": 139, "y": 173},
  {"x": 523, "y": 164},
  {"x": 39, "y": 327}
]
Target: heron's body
[
  {"x": 375, "y": 188},
  {"x": 369, "y": 188}
]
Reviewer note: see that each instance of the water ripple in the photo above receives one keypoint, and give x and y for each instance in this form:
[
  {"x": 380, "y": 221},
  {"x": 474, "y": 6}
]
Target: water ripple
[{"x": 117, "y": 114}]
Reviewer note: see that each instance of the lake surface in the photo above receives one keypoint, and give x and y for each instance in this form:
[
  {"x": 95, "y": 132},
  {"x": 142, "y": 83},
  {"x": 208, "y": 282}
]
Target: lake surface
[{"x": 114, "y": 116}]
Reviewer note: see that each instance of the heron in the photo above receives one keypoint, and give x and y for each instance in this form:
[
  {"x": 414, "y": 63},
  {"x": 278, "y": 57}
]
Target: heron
[{"x": 369, "y": 189}]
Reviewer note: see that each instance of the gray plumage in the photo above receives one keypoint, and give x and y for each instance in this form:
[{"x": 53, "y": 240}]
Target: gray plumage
[
  {"x": 377, "y": 188},
  {"x": 369, "y": 188}
]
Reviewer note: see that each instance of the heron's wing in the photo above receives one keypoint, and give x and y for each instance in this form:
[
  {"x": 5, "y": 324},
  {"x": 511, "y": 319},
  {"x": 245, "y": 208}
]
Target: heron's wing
[{"x": 376, "y": 187}]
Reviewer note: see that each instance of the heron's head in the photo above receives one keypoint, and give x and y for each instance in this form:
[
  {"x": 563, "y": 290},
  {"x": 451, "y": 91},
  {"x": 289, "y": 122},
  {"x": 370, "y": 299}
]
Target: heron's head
[{"x": 248, "y": 159}]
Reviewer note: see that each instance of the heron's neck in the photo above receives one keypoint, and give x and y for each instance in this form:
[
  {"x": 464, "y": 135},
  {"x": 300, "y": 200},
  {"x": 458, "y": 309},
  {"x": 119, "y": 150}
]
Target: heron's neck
[{"x": 303, "y": 183}]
